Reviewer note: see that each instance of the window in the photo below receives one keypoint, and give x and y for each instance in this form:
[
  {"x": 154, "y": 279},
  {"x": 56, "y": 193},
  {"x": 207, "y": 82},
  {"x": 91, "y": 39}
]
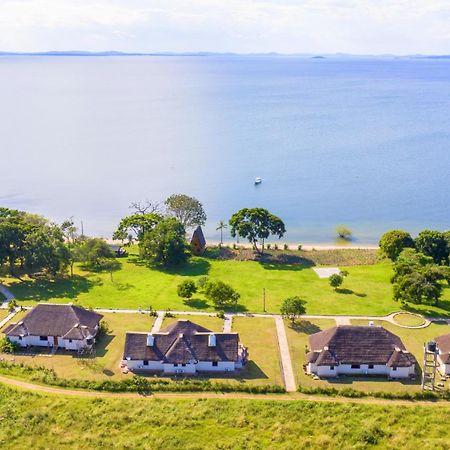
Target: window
[
  {"x": 70, "y": 341},
  {"x": 355, "y": 366},
  {"x": 183, "y": 365},
  {"x": 175, "y": 365},
  {"x": 215, "y": 363},
  {"x": 89, "y": 341},
  {"x": 331, "y": 367},
  {"x": 394, "y": 368},
  {"x": 370, "y": 366},
  {"x": 20, "y": 338},
  {"x": 43, "y": 338},
  {"x": 145, "y": 363}
]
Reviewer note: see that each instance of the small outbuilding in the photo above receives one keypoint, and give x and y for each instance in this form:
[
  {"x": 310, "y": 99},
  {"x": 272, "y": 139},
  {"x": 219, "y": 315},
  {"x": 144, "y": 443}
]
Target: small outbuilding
[
  {"x": 61, "y": 326},
  {"x": 359, "y": 350},
  {"x": 184, "y": 347},
  {"x": 443, "y": 343},
  {"x": 198, "y": 242}
]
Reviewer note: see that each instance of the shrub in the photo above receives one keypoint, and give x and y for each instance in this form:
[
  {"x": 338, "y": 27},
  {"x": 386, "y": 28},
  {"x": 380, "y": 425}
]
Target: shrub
[
  {"x": 201, "y": 283},
  {"x": 169, "y": 313},
  {"x": 12, "y": 305},
  {"x": 299, "y": 247},
  {"x": 275, "y": 246},
  {"x": 221, "y": 314},
  {"x": 221, "y": 294},
  {"x": 286, "y": 247},
  {"x": 186, "y": 289},
  {"x": 7, "y": 346},
  {"x": 268, "y": 246},
  {"x": 103, "y": 328},
  {"x": 335, "y": 280}
]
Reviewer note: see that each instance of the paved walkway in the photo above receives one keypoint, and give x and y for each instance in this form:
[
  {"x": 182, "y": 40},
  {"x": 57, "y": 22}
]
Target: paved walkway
[
  {"x": 227, "y": 323},
  {"x": 286, "y": 363},
  {"x": 8, "y": 296},
  {"x": 158, "y": 322}
]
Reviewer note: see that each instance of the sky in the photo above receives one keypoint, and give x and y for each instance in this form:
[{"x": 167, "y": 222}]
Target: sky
[{"x": 242, "y": 26}]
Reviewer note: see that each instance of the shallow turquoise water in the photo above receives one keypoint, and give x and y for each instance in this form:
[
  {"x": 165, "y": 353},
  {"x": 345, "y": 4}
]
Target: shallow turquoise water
[{"x": 364, "y": 142}]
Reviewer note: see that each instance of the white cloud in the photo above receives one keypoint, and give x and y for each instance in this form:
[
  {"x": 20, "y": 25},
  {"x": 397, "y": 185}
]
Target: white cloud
[{"x": 358, "y": 26}]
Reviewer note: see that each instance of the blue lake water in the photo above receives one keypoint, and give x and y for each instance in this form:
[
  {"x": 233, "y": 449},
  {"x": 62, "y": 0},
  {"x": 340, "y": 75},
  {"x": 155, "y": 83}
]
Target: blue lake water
[{"x": 362, "y": 142}]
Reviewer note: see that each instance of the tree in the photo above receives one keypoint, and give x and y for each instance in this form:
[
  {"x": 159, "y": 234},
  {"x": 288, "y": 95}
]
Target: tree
[
  {"x": 221, "y": 294},
  {"x": 256, "y": 224},
  {"x": 344, "y": 232},
  {"x": 417, "y": 279},
  {"x": 292, "y": 307},
  {"x": 335, "y": 280},
  {"x": 394, "y": 242},
  {"x": 108, "y": 265},
  {"x": 165, "y": 244},
  {"x": 187, "y": 210},
  {"x": 93, "y": 253},
  {"x": 221, "y": 226},
  {"x": 186, "y": 289},
  {"x": 434, "y": 244},
  {"x": 135, "y": 226},
  {"x": 7, "y": 346}
]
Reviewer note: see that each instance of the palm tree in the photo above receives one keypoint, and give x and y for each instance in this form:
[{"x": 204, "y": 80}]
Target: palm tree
[{"x": 221, "y": 226}]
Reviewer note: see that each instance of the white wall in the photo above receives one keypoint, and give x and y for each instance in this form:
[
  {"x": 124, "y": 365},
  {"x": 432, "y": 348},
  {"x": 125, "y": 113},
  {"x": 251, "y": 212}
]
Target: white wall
[
  {"x": 346, "y": 369},
  {"x": 35, "y": 341},
  {"x": 444, "y": 368},
  {"x": 201, "y": 366}
]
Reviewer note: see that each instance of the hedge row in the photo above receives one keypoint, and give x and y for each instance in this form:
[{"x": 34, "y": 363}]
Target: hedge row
[
  {"x": 135, "y": 384},
  {"x": 353, "y": 393}
]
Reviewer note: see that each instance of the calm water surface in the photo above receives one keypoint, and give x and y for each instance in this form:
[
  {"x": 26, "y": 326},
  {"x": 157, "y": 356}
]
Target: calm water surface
[{"x": 364, "y": 142}]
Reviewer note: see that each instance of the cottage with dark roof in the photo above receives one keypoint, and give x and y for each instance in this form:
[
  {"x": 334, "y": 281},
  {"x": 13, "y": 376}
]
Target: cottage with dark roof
[
  {"x": 359, "y": 350},
  {"x": 443, "y": 343},
  {"x": 61, "y": 326},
  {"x": 184, "y": 347}
]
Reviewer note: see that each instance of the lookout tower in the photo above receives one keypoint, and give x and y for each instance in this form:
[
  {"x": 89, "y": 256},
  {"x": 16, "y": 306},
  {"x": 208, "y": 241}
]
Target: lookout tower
[{"x": 430, "y": 354}]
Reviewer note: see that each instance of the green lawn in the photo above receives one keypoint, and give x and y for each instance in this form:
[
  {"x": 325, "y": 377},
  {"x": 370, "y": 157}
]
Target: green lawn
[
  {"x": 3, "y": 313},
  {"x": 409, "y": 320},
  {"x": 212, "y": 322},
  {"x": 366, "y": 290},
  {"x": 259, "y": 335},
  {"x": 412, "y": 339},
  {"x": 31, "y": 420},
  {"x": 109, "y": 350}
]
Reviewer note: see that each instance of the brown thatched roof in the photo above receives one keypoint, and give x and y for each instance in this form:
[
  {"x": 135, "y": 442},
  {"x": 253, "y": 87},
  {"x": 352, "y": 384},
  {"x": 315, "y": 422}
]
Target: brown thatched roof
[
  {"x": 66, "y": 321},
  {"x": 181, "y": 343},
  {"x": 349, "y": 344}
]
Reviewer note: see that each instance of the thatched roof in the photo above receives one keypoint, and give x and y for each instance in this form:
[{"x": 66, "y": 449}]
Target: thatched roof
[{"x": 349, "y": 344}]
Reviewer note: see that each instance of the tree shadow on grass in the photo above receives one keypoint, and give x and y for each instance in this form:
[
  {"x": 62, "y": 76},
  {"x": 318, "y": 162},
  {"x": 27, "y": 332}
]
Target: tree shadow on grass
[
  {"x": 251, "y": 371},
  {"x": 46, "y": 289},
  {"x": 425, "y": 311},
  {"x": 346, "y": 291},
  {"x": 196, "y": 303},
  {"x": 101, "y": 346},
  {"x": 304, "y": 326}
]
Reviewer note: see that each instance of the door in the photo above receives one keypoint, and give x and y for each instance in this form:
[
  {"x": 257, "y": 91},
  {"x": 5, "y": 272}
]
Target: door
[{"x": 55, "y": 341}]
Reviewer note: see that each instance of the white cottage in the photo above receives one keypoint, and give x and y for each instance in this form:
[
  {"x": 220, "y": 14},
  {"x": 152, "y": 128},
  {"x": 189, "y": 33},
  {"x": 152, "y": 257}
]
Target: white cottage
[
  {"x": 62, "y": 326},
  {"x": 443, "y": 343},
  {"x": 359, "y": 350},
  {"x": 184, "y": 347}
]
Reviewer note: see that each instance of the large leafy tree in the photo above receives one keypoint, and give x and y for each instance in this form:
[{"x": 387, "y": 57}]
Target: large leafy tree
[
  {"x": 417, "y": 279},
  {"x": 165, "y": 244},
  {"x": 256, "y": 224},
  {"x": 394, "y": 242},
  {"x": 434, "y": 244},
  {"x": 92, "y": 252},
  {"x": 187, "y": 210},
  {"x": 31, "y": 241},
  {"x": 292, "y": 308},
  {"x": 134, "y": 227}
]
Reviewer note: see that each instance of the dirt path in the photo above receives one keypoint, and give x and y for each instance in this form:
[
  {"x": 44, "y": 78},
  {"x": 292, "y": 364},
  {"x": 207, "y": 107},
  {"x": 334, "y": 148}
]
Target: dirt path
[{"x": 212, "y": 395}]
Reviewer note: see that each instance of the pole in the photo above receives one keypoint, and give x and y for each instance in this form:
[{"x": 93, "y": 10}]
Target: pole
[{"x": 264, "y": 299}]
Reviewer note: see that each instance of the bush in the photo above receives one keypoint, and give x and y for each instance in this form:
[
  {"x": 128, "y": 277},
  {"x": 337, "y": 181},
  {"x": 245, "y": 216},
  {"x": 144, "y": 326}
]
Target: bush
[
  {"x": 221, "y": 294},
  {"x": 286, "y": 247},
  {"x": 7, "y": 346},
  {"x": 275, "y": 246},
  {"x": 335, "y": 280},
  {"x": 169, "y": 313},
  {"x": 201, "y": 283},
  {"x": 299, "y": 247},
  {"x": 186, "y": 289},
  {"x": 221, "y": 314},
  {"x": 103, "y": 328},
  {"x": 268, "y": 246}
]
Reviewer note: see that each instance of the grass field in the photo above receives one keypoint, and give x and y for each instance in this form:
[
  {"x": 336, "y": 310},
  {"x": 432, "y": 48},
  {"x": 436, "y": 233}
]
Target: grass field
[
  {"x": 109, "y": 350},
  {"x": 409, "y": 320},
  {"x": 412, "y": 339},
  {"x": 212, "y": 322},
  {"x": 367, "y": 289},
  {"x": 3, "y": 313},
  {"x": 36, "y": 421}
]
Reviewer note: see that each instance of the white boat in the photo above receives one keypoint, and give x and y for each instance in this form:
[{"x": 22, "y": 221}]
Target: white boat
[{"x": 258, "y": 180}]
